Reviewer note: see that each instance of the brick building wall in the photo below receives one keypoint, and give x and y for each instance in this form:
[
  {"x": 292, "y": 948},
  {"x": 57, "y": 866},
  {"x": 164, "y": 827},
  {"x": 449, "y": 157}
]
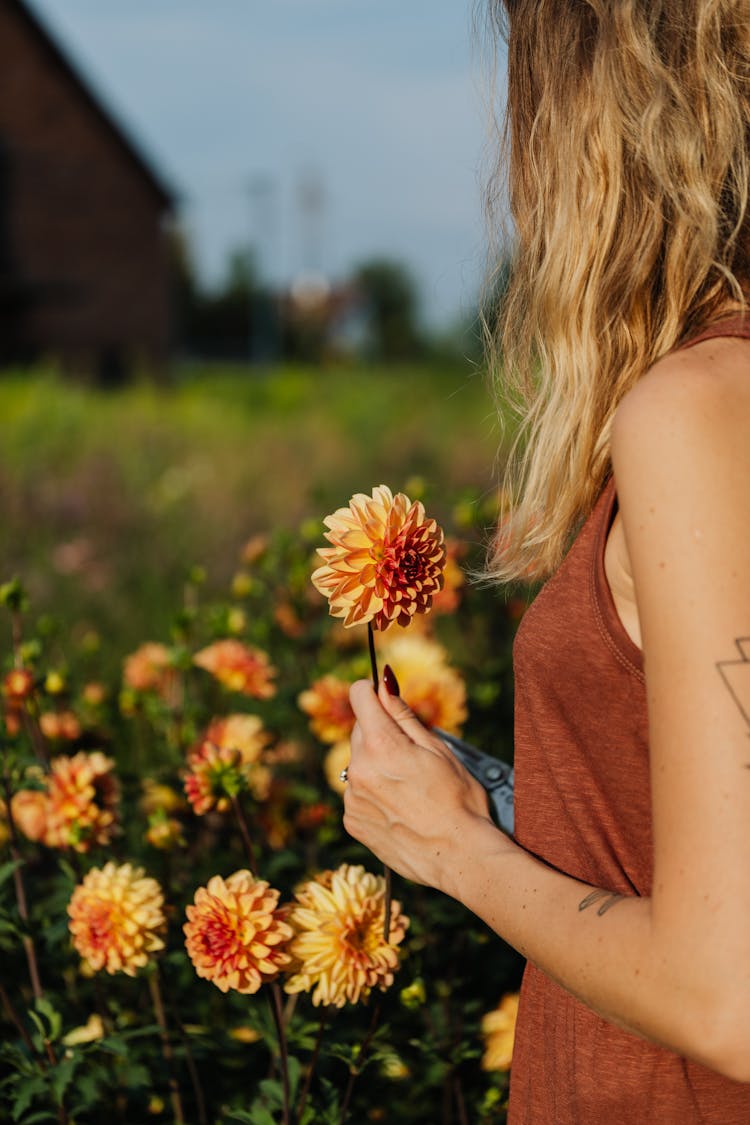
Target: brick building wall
[{"x": 83, "y": 252}]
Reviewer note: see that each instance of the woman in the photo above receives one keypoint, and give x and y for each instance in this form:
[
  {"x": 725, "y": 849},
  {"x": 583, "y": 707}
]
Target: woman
[{"x": 627, "y": 885}]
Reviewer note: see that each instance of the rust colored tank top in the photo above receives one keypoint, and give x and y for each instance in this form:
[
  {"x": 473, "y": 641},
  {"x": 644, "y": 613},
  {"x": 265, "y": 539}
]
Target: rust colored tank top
[{"x": 582, "y": 793}]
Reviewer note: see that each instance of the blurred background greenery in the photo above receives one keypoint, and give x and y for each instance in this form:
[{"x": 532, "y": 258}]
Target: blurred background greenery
[{"x": 109, "y": 498}]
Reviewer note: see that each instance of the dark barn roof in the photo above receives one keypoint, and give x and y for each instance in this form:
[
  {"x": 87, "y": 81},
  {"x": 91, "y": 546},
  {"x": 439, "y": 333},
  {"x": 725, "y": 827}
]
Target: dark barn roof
[{"x": 95, "y": 101}]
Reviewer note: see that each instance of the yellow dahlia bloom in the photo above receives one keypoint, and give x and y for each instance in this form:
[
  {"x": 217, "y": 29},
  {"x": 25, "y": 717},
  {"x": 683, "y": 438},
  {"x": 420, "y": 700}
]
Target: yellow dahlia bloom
[
  {"x": 338, "y": 949},
  {"x": 498, "y": 1029},
  {"x": 386, "y": 561},
  {"x": 238, "y": 667},
  {"x": 82, "y": 796},
  {"x": 236, "y": 935},
  {"x": 117, "y": 918},
  {"x": 434, "y": 691},
  {"x": 327, "y": 704},
  {"x": 337, "y": 759}
]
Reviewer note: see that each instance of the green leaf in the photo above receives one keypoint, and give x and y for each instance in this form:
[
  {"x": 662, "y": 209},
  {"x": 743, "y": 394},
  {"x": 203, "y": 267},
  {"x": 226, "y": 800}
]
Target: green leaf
[
  {"x": 62, "y": 1076},
  {"x": 7, "y": 869},
  {"x": 27, "y": 1090},
  {"x": 54, "y": 1019}
]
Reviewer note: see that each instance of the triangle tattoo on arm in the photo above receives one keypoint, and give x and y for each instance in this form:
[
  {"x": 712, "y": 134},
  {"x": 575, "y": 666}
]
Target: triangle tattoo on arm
[{"x": 736, "y": 676}]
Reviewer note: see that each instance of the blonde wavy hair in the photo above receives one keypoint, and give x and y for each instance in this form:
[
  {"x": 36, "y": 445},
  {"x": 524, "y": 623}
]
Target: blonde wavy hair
[{"x": 627, "y": 158}]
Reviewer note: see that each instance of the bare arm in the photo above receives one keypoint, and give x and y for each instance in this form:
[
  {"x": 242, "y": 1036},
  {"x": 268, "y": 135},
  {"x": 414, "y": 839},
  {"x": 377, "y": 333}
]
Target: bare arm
[{"x": 674, "y": 968}]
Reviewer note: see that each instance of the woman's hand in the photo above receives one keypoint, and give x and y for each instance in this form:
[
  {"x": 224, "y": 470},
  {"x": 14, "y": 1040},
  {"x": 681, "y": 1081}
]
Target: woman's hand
[{"x": 408, "y": 799}]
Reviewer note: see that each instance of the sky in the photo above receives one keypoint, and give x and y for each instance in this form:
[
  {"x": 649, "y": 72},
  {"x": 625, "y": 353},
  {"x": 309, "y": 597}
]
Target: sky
[{"x": 320, "y": 132}]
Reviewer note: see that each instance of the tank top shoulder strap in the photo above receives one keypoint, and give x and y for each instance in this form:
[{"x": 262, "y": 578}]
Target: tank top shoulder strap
[{"x": 738, "y": 326}]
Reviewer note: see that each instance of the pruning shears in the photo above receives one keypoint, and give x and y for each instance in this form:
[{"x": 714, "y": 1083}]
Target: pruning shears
[{"x": 494, "y": 775}]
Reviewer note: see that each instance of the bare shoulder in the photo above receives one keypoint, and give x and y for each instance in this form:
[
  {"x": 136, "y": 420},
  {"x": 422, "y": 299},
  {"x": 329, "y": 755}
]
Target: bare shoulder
[{"x": 689, "y": 412}]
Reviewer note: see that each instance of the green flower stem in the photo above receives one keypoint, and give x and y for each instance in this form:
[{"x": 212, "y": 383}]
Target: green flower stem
[
  {"x": 15, "y": 1019},
  {"x": 373, "y": 657},
  {"x": 200, "y": 1100},
  {"x": 386, "y": 870},
  {"x": 313, "y": 1062},
  {"x": 278, "y": 1019},
  {"x": 245, "y": 833},
  {"x": 20, "y": 889},
  {"x": 357, "y": 1065},
  {"x": 175, "y": 1096}
]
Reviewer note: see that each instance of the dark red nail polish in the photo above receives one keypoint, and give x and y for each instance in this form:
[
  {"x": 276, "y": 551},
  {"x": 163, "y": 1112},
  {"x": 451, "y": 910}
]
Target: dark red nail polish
[{"x": 390, "y": 681}]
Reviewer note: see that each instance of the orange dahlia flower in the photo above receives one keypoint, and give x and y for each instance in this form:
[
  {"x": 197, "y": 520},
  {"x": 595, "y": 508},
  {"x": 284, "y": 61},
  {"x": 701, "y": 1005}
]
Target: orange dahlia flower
[
  {"x": 448, "y": 598},
  {"x": 236, "y": 935},
  {"x": 18, "y": 684},
  {"x": 327, "y": 704},
  {"x": 434, "y": 691},
  {"x": 227, "y": 761},
  {"x": 386, "y": 561},
  {"x": 238, "y": 667},
  {"x": 117, "y": 918},
  {"x": 339, "y": 950},
  {"x": 82, "y": 796},
  {"x": 498, "y": 1029},
  {"x": 150, "y": 668}
]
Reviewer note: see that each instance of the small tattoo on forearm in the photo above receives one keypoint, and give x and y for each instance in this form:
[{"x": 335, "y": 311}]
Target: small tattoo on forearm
[
  {"x": 606, "y": 899},
  {"x": 736, "y": 677}
]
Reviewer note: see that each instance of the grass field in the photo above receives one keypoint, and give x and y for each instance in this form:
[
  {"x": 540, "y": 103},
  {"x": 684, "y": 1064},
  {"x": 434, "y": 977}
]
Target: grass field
[{"x": 107, "y": 499}]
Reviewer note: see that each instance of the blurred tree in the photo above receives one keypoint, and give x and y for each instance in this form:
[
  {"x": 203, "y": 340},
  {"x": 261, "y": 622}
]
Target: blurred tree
[
  {"x": 223, "y": 322},
  {"x": 391, "y": 294}
]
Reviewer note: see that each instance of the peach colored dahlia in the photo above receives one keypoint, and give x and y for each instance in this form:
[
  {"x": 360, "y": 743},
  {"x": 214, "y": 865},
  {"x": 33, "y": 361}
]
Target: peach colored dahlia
[
  {"x": 82, "y": 797},
  {"x": 29, "y": 808},
  {"x": 386, "y": 561},
  {"x": 238, "y": 667},
  {"x": 236, "y": 935},
  {"x": 338, "y": 949},
  {"x": 117, "y": 918},
  {"x": 150, "y": 668},
  {"x": 327, "y": 703},
  {"x": 498, "y": 1030},
  {"x": 434, "y": 691}
]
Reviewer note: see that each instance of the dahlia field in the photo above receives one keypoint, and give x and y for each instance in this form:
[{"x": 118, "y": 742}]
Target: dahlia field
[{"x": 187, "y": 933}]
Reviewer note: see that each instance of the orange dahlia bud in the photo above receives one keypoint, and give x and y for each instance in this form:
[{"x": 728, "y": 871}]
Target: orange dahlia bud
[
  {"x": 498, "y": 1029},
  {"x": 386, "y": 561},
  {"x": 60, "y": 726},
  {"x": 82, "y": 794},
  {"x": 164, "y": 832},
  {"x": 434, "y": 691},
  {"x": 117, "y": 918},
  {"x": 238, "y": 667},
  {"x": 339, "y": 950},
  {"x": 30, "y": 808},
  {"x": 236, "y": 935},
  {"x": 18, "y": 684},
  {"x": 327, "y": 704}
]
